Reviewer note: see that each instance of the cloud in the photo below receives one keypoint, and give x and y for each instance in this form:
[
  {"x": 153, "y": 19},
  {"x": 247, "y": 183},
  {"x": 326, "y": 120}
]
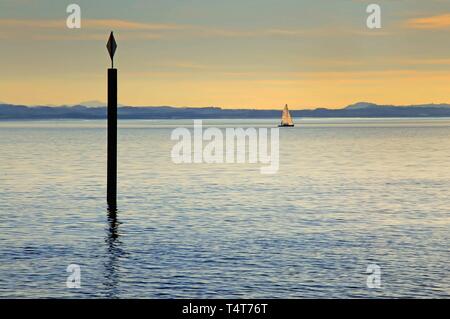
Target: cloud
[
  {"x": 91, "y": 29},
  {"x": 324, "y": 32},
  {"x": 197, "y": 30},
  {"x": 18, "y": 23},
  {"x": 130, "y": 25},
  {"x": 130, "y": 29},
  {"x": 54, "y": 29},
  {"x": 430, "y": 23},
  {"x": 425, "y": 61},
  {"x": 90, "y": 23}
]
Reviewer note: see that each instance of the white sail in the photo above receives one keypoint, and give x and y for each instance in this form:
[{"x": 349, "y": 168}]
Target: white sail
[{"x": 286, "y": 119}]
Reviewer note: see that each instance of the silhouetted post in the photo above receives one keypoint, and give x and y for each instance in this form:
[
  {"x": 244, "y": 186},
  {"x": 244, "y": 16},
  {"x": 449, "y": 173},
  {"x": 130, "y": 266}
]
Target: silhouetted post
[{"x": 112, "y": 125}]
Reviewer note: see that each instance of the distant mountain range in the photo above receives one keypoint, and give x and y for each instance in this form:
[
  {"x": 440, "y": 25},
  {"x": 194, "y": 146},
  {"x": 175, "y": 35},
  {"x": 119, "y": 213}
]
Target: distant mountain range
[{"x": 96, "y": 110}]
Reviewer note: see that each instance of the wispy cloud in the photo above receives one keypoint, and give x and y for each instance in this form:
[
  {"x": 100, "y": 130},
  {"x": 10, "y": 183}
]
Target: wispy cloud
[
  {"x": 91, "y": 29},
  {"x": 90, "y": 23},
  {"x": 425, "y": 62},
  {"x": 430, "y": 23},
  {"x": 131, "y": 29},
  {"x": 21, "y": 23},
  {"x": 130, "y": 25},
  {"x": 54, "y": 30},
  {"x": 324, "y": 32}
]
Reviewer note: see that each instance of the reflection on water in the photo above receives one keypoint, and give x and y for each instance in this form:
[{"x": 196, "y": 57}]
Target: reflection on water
[{"x": 114, "y": 252}]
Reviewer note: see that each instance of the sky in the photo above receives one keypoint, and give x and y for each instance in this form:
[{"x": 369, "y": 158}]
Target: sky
[{"x": 231, "y": 54}]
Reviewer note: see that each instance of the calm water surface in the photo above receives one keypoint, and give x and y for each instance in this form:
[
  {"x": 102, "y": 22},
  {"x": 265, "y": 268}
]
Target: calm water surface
[{"x": 349, "y": 192}]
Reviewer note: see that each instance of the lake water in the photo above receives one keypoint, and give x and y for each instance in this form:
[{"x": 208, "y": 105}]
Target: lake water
[{"x": 349, "y": 193}]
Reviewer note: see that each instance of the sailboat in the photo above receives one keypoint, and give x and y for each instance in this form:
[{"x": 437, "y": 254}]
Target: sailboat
[{"x": 286, "y": 119}]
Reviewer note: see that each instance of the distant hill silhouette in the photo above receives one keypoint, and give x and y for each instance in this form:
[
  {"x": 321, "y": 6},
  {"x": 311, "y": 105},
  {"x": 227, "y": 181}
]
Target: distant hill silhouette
[
  {"x": 93, "y": 103},
  {"x": 361, "y": 109}
]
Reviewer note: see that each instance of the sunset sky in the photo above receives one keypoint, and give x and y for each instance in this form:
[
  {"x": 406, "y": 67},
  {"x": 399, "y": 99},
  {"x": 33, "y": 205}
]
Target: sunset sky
[{"x": 232, "y": 54}]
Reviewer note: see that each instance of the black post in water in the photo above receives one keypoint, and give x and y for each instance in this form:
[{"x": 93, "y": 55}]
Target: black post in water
[
  {"x": 112, "y": 136},
  {"x": 112, "y": 126}
]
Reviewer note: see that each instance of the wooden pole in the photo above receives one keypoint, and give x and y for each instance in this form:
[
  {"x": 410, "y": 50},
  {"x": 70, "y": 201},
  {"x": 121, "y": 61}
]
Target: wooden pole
[{"x": 112, "y": 137}]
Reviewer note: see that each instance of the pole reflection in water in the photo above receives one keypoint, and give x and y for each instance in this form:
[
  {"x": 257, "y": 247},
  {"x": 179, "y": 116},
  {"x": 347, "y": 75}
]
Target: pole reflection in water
[{"x": 113, "y": 254}]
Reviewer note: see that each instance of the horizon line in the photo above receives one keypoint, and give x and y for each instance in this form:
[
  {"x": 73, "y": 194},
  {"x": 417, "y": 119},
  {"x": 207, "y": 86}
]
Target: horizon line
[{"x": 120, "y": 105}]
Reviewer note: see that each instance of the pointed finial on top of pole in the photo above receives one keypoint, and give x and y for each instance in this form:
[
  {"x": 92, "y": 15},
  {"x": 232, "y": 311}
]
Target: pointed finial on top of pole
[{"x": 111, "y": 46}]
